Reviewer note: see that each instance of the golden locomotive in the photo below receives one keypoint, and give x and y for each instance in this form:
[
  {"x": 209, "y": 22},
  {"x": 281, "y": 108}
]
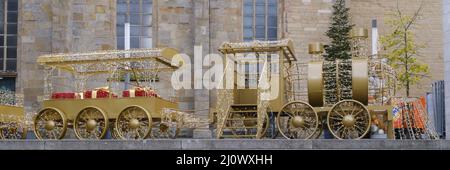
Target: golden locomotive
[{"x": 302, "y": 113}]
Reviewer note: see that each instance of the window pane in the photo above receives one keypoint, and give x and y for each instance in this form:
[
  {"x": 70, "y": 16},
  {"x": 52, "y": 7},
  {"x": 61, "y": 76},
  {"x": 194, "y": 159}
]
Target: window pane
[
  {"x": 248, "y": 2},
  {"x": 8, "y": 83},
  {"x": 2, "y": 6},
  {"x": 11, "y": 40},
  {"x": 122, "y": 8},
  {"x": 147, "y": 9},
  {"x": 1, "y": 52},
  {"x": 120, "y": 30},
  {"x": 248, "y": 32},
  {"x": 260, "y": 20},
  {"x": 273, "y": 10},
  {"x": 147, "y": 31},
  {"x": 134, "y": 42},
  {"x": 11, "y": 65},
  {"x": 146, "y": 42},
  {"x": 248, "y": 39},
  {"x": 248, "y": 21},
  {"x": 147, "y": 20},
  {"x": 260, "y": 33},
  {"x": 260, "y": 2},
  {"x": 135, "y": 8},
  {"x": 272, "y": 33},
  {"x": 260, "y": 9},
  {"x": 120, "y": 43},
  {"x": 12, "y": 5},
  {"x": 2, "y": 31},
  {"x": 272, "y": 21},
  {"x": 135, "y": 31},
  {"x": 248, "y": 10},
  {"x": 12, "y": 28},
  {"x": 135, "y": 19},
  {"x": 1, "y": 41},
  {"x": 12, "y": 52},
  {"x": 120, "y": 19},
  {"x": 134, "y": 1},
  {"x": 1, "y": 65},
  {"x": 12, "y": 17}
]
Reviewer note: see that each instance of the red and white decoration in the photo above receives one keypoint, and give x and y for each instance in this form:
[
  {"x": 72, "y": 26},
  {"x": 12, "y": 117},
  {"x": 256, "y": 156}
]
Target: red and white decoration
[{"x": 140, "y": 92}]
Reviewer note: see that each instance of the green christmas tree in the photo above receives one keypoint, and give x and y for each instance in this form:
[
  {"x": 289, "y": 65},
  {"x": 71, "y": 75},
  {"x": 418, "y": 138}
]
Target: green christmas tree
[
  {"x": 339, "y": 33},
  {"x": 340, "y": 48}
]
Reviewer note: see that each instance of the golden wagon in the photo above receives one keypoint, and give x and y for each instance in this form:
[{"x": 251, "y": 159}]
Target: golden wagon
[
  {"x": 12, "y": 124},
  {"x": 91, "y": 112}
]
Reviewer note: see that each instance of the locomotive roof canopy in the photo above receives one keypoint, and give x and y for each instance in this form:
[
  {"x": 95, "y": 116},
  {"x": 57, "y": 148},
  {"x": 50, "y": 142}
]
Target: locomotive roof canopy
[
  {"x": 98, "y": 62},
  {"x": 286, "y": 46}
]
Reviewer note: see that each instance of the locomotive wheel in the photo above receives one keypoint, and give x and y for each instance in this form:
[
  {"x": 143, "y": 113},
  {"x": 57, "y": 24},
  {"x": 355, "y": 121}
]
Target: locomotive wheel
[
  {"x": 349, "y": 119},
  {"x": 133, "y": 122},
  {"x": 91, "y": 123},
  {"x": 297, "y": 120},
  {"x": 50, "y": 123},
  {"x": 13, "y": 130},
  {"x": 166, "y": 129}
]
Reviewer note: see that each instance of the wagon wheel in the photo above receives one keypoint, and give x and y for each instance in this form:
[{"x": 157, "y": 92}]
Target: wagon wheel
[
  {"x": 318, "y": 132},
  {"x": 50, "y": 123},
  {"x": 242, "y": 126},
  {"x": 133, "y": 122},
  {"x": 297, "y": 120},
  {"x": 91, "y": 123},
  {"x": 348, "y": 119},
  {"x": 2, "y": 126},
  {"x": 114, "y": 131},
  {"x": 13, "y": 130}
]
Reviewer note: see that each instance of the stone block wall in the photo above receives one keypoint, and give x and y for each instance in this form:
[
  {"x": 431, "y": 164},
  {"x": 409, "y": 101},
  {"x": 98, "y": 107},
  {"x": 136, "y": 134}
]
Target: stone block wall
[
  {"x": 308, "y": 20},
  {"x": 55, "y": 26},
  {"x": 428, "y": 31}
]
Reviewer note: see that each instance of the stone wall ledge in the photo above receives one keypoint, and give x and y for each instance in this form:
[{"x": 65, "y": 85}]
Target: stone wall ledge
[{"x": 225, "y": 144}]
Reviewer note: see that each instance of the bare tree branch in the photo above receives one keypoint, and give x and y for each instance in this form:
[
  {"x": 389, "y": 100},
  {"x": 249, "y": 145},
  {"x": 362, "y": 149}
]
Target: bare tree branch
[{"x": 415, "y": 16}]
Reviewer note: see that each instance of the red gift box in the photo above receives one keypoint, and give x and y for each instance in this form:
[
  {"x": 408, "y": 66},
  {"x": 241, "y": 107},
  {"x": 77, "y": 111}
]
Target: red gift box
[
  {"x": 140, "y": 92},
  {"x": 63, "y": 95},
  {"x": 100, "y": 93}
]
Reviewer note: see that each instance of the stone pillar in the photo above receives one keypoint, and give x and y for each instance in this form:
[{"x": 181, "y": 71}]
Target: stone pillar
[
  {"x": 173, "y": 22},
  {"x": 225, "y": 26},
  {"x": 202, "y": 43},
  {"x": 34, "y": 39},
  {"x": 446, "y": 28}
]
